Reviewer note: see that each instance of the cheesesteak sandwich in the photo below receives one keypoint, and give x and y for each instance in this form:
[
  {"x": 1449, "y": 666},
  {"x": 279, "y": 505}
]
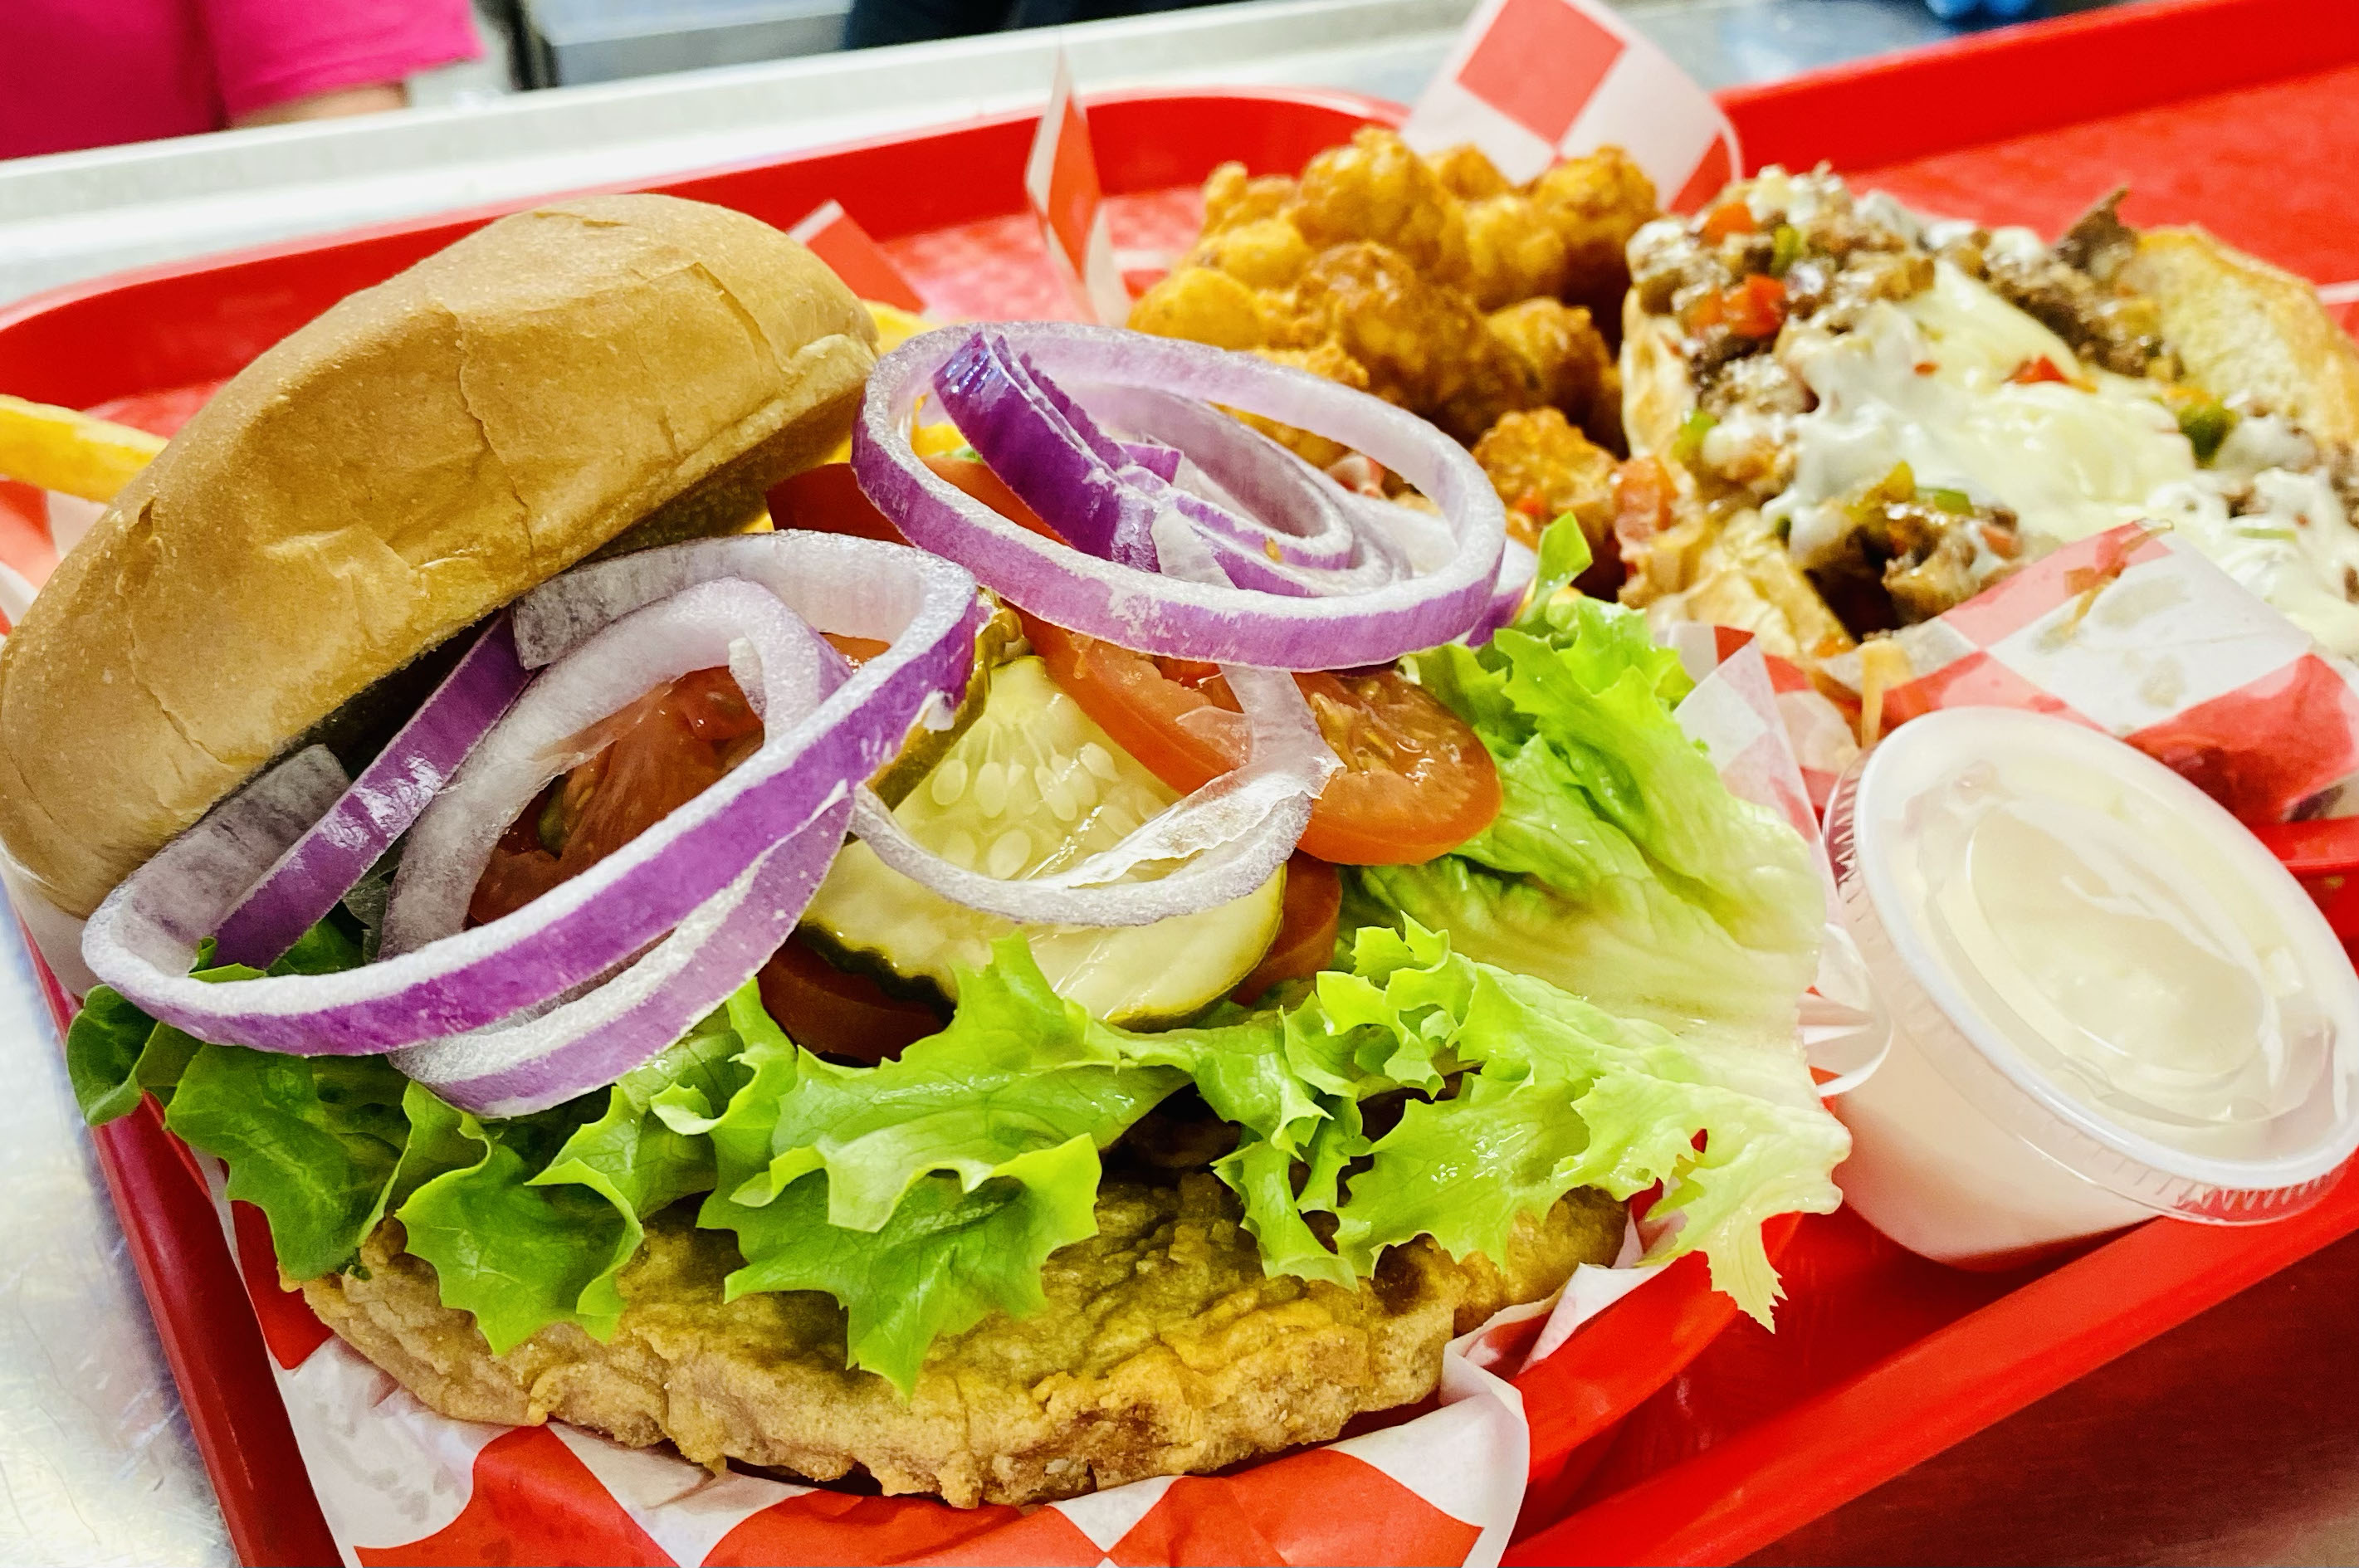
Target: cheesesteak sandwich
[
  {"x": 1869, "y": 416},
  {"x": 1085, "y": 955}
]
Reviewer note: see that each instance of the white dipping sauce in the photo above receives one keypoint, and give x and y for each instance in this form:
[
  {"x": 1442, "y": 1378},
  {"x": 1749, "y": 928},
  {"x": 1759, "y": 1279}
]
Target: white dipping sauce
[{"x": 2110, "y": 1001}]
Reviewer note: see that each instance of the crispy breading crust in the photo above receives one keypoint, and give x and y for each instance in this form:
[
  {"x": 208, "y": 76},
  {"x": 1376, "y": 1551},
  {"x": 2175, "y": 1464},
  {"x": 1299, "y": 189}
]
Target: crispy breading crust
[{"x": 1163, "y": 1350}]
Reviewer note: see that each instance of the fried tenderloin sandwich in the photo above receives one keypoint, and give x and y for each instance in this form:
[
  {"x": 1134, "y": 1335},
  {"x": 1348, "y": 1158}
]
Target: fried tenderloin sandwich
[{"x": 1067, "y": 949}]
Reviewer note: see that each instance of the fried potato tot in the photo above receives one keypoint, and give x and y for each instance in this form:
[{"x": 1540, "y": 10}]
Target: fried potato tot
[
  {"x": 1265, "y": 254},
  {"x": 1161, "y": 1348},
  {"x": 1545, "y": 469},
  {"x": 1513, "y": 252},
  {"x": 1232, "y": 198},
  {"x": 1204, "y": 305},
  {"x": 1566, "y": 351},
  {"x": 1595, "y": 204},
  {"x": 1468, "y": 173},
  {"x": 1377, "y": 190},
  {"x": 1409, "y": 333}
]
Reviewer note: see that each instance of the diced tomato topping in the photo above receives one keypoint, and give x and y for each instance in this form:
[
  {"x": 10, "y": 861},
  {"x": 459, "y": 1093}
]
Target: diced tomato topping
[
  {"x": 1643, "y": 494},
  {"x": 1756, "y": 308},
  {"x": 1728, "y": 218},
  {"x": 2032, "y": 372}
]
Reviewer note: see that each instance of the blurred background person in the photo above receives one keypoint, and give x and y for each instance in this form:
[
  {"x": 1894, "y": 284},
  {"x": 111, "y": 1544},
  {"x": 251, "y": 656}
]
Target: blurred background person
[
  {"x": 82, "y": 73},
  {"x": 874, "y": 22}
]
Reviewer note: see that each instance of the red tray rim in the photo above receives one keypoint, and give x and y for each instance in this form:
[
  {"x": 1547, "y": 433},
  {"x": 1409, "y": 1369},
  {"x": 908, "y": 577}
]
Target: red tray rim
[{"x": 1374, "y": 110}]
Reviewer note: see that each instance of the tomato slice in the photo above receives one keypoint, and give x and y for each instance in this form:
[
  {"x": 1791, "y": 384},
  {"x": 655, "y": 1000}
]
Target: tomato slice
[
  {"x": 828, "y": 500},
  {"x": 832, "y": 1013},
  {"x": 1416, "y": 781},
  {"x": 1306, "y": 929},
  {"x": 658, "y": 754}
]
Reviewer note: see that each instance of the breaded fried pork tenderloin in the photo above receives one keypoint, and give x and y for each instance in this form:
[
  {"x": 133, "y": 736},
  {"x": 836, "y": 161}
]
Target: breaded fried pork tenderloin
[{"x": 1164, "y": 1350}]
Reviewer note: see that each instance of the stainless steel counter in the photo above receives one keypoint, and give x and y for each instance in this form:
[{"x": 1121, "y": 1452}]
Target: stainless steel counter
[{"x": 96, "y": 1464}]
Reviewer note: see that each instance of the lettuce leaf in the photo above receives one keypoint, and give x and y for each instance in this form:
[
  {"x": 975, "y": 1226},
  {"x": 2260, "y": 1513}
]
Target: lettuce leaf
[
  {"x": 313, "y": 1141},
  {"x": 1560, "y": 1094},
  {"x": 538, "y": 1223},
  {"x": 927, "y": 1190},
  {"x": 1629, "y": 874},
  {"x": 947, "y": 1254}
]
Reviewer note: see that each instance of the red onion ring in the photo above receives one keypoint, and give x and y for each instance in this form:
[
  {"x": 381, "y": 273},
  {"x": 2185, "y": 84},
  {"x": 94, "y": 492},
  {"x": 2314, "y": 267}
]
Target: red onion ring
[
  {"x": 1267, "y": 496},
  {"x": 517, "y": 1068},
  {"x": 238, "y": 839},
  {"x": 783, "y": 669},
  {"x": 142, "y": 939},
  {"x": 1232, "y": 834},
  {"x": 1518, "y": 569},
  {"x": 1161, "y": 613},
  {"x": 331, "y": 858}
]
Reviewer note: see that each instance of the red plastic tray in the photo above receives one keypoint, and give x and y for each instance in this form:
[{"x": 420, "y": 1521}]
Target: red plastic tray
[{"x": 1882, "y": 1360}]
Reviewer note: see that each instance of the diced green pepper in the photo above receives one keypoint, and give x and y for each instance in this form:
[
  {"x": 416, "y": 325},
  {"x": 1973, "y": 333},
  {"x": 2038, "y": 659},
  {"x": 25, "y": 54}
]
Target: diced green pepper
[
  {"x": 1788, "y": 243},
  {"x": 1688, "y": 445},
  {"x": 1946, "y": 500},
  {"x": 2205, "y": 422},
  {"x": 550, "y": 826}
]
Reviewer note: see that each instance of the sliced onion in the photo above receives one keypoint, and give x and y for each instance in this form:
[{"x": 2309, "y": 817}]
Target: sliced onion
[
  {"x": 1226, "y": 839},
  {"x": 1268, "y": 495},
  {"x": 583, "y": 929},
  {"x": 782, "y": 669},
  {"x": 514, "y": 1068},
  {"x": 337, "y": 851},
  {"x": 1161, "y": 461},
  {"x": 1518, "y": 570},
  {"x": 233, "y": 844},
  {"x": 1102, "y": 588}
]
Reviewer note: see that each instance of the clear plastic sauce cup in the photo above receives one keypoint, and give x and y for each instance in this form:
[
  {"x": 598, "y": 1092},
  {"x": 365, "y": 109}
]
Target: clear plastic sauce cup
[{"x": 2109, "y": 1000}]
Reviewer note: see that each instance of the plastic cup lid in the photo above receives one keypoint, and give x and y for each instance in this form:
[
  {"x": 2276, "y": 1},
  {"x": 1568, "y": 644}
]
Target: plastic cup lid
[{"x": 2100, "y": 958}]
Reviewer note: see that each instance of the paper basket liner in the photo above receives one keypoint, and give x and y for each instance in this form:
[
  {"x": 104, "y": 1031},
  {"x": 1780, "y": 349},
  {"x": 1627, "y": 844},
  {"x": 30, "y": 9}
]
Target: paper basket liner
[{"x": 2139, "y": 635}]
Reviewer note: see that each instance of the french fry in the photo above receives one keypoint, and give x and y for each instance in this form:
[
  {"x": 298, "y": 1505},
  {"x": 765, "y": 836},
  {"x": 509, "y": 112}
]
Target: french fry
[{"x": 58, "y": 449}]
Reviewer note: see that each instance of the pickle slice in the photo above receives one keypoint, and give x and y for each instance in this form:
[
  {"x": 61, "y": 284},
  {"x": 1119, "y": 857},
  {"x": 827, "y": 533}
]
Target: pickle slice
[{"x": 1031, "y": 786}]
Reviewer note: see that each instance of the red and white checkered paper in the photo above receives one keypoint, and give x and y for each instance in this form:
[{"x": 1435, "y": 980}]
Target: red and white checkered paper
[
  {"x": 835, "y": 237},
  {"x": 401, "y": 1485},
  {"x": 1061, "y": 181},
  {"x": 2137, "y": 634},
  {"x": 1530, "y": 82}
]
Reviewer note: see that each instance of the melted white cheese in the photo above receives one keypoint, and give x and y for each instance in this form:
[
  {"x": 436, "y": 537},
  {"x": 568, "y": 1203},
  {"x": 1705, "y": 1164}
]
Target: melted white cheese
[{"x": 1926, "y": 383}]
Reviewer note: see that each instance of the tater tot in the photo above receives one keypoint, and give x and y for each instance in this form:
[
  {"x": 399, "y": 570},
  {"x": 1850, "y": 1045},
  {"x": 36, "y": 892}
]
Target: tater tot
[
  {"x": 1231, "y": 198},
  {"x": 1544, "y": 469},
  {"x": 1373, "y": 303},
  {"x": 1595, "y": 204},
  {"x": 1267, "y": 252},
  {"x": 1377, "y": 190},
  {"x": 1563, "y": 348},
  {"x": 1469, "y": 175},
  {"x": 1511, "y": 252},
  {"x": 1203, "y": 305}
]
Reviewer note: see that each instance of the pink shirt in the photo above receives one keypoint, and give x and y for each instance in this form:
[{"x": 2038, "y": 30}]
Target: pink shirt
[{"x": 80, "y": 73}]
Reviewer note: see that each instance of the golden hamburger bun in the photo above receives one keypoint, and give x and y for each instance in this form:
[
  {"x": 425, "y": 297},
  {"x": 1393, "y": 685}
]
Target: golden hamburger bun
[{"x": 423, "y": 453}]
